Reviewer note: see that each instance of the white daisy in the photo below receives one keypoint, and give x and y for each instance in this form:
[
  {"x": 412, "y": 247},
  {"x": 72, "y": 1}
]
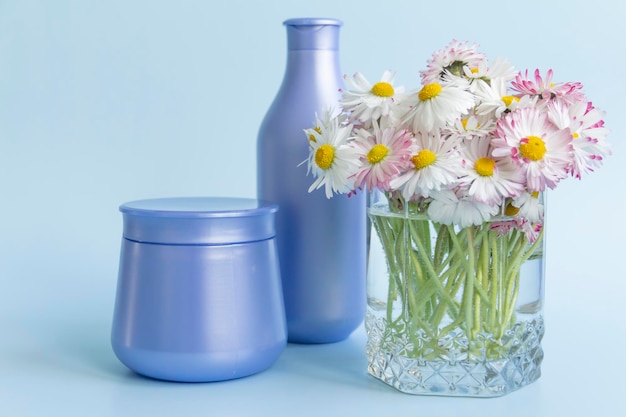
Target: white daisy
[
  {"x": 331, "y": 119},
  {"x": 484, "y": 74},
  {"x": 332, "y": 160},
  {"x": 471, "y": 126},
  {"x": 499, "y": 68},
  {"x": 435, "y": 164},
  {"x": 366, "y": 102},
  {"x": 528, "y": 206},
  {"x": 449, "y": 208},
  {"x": 438, "y": 104},
  {"x": 494, "y": 99},
  {"x": 489, "y": 180}
]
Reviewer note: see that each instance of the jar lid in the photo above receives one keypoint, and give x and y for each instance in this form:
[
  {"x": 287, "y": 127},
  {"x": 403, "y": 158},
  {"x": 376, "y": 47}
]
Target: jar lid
[{"x": 198, "y": 220}]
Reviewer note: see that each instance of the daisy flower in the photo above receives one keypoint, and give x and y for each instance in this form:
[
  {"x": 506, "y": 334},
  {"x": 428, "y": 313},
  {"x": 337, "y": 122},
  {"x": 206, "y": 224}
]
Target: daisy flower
[
  {"x": 434, "y": 164},
  {"x": 499, "y": 68},
  {"x": 484, "y": 74},
  {"x": 531, "y": 230},
  {"x": 450, "y": 207},
  {"x": 331, "y": 159},
  {"x": 331, "y": 119},
  {"x": 453, "y": 59},
  {"x": 545, "y": 88},
  {"x": 366, "y": 102},
  {"x": 543, "y": 151},
  {"x": 502, "y": 227},
  {"x": 494, "y": 98},
  {"x": 527, "y": 205},
  {"x": 438, "y": 104},
  {"x": 471, "y": 126},
  {"x": 489, "y": 180},
  {"x": 588, "y": 134},
  {"x": 384, "y": 153}
]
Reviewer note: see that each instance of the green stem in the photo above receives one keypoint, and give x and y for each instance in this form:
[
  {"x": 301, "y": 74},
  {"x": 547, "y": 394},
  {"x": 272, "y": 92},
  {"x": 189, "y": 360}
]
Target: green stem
[
  {"x": 385, "y": 233},
  {"x": 432, "y": 274},
  {"x": 468, "y": 289},
  {"x": 513, "y": 276},
  {"x": 494, "y": 281},
  {"x": 482, "y": 274},
  {"x": 465, "y": 280}
]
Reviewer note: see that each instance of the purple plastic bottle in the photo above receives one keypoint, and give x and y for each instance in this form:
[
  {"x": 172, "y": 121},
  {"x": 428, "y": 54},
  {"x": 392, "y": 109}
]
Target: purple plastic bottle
[{"x": 321, "y": 242}]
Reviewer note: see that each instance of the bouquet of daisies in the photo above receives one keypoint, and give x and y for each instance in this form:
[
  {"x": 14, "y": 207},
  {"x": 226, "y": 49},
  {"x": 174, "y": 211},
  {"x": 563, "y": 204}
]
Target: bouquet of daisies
[
  {"x": 462, "y": 161},
  {"x": 473, "y": 139}
]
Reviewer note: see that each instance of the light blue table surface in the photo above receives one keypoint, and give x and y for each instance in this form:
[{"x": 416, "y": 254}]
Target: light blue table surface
[{"x": 55, "y": 360}]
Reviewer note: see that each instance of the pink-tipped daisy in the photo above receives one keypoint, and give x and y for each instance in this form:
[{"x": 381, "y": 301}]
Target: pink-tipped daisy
[
  {"x": 545, "y": 88},
  {"x": 531, "y": 230},
  {"x": 541, "y": 149},
  {"x": 588, "y": 134},
  {"x": 435, "y": 163},
  {"x": 452, "y": 59},
  {"x": 383, "y": 152}
]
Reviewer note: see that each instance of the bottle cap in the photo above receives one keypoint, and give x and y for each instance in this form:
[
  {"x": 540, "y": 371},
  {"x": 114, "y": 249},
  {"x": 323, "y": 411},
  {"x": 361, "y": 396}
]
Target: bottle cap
[{"x": 313, "y": 34}]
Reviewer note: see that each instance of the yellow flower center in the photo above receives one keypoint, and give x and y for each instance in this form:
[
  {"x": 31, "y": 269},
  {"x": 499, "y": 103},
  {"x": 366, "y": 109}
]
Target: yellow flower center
[
  {"x": 464, "y": 123},
  {"x": 533, "y": 148},
  {"x": 312, "y": 137},
  {"x": 382, "y": 89},
  {"x": 575, "y": 135},
  {"x": 534, "y": 194},
  {"x": 474, "y": 70},
  {"x": 377, "y": 153},
  {"x": 324, "y": 156},
  {"x": 424, "y": 158},
  {"x": 511, "y": 210},
  {"x": 509, "y": 99},
  {"x": 485, "y": 166},
  {"x": 429, "y": 91}
]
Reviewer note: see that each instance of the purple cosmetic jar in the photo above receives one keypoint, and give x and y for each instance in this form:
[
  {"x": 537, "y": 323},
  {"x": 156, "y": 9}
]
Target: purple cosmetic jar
[{"x": 199, "y": 294}]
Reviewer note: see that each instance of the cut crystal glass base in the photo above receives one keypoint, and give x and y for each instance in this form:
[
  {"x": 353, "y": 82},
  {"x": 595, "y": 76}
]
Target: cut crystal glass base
[{"x": 456, "y": 371}]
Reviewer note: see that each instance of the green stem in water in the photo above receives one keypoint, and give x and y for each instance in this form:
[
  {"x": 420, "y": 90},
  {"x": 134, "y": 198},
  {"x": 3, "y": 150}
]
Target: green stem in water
[
  {"x": 432, "y": 274},
  {"x": 513, "y": 276},
  {"x": 464, "y": 280}
]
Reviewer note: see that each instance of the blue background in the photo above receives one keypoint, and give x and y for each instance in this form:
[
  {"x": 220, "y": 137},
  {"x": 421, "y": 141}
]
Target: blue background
[{"x": 102, "y": 102}]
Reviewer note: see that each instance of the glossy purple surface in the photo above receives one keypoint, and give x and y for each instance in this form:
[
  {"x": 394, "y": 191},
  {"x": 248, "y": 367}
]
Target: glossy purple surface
[
  {"x": 321, "y": 241},
  {"x": 198, "y": 312},
  {"x": 198, "y": 220}
]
